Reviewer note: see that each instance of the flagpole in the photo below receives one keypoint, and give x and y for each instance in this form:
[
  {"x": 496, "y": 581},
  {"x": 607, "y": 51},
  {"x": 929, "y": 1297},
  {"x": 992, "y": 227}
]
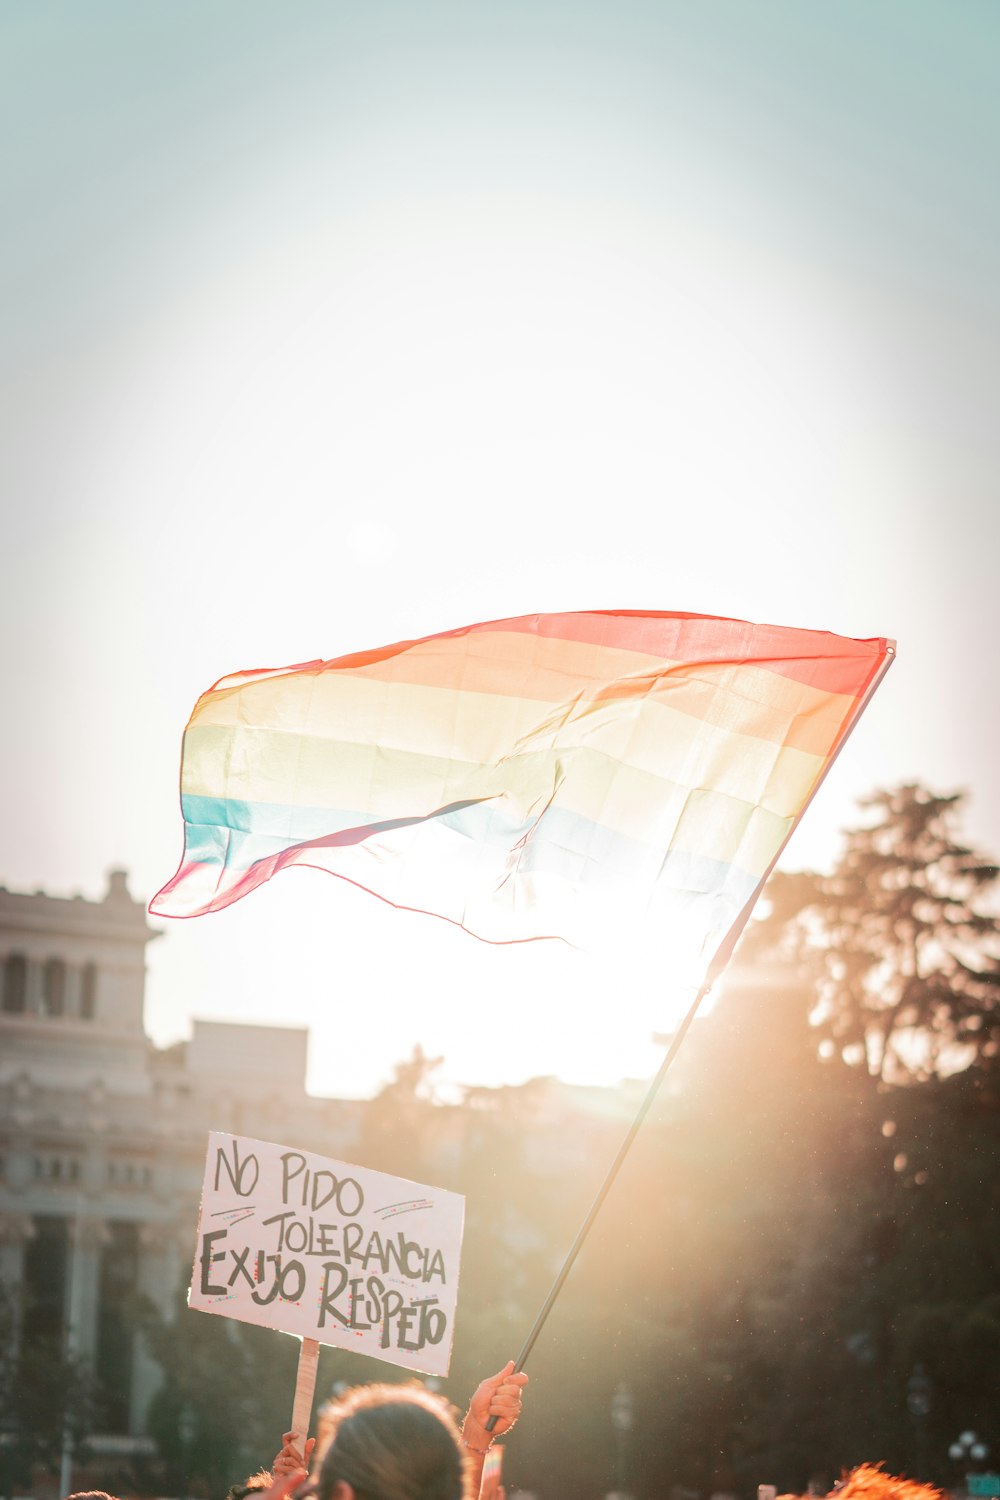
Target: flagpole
[
  {"x": 605, "y": 1187},
  {"x": 719, "y": 961}
]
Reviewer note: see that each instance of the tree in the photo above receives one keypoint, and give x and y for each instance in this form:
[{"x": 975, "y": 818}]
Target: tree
[
  {"x": 48, "y": 1400},
  {"x": 399, "y": 1128},
  {"x": 904, "y": 957}
]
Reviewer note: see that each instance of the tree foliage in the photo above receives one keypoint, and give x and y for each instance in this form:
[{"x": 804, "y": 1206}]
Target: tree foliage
[
  {"x": 48, "y": 1401},
  {"x": 902, "y": 951}
]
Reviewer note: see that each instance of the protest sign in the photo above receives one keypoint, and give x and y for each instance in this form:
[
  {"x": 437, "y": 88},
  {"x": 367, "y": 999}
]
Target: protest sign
[{"x": 337, "y": 1253}]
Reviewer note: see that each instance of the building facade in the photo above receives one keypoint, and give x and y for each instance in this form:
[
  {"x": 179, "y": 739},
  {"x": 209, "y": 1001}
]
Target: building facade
[{"x": 103, "y": 1135}]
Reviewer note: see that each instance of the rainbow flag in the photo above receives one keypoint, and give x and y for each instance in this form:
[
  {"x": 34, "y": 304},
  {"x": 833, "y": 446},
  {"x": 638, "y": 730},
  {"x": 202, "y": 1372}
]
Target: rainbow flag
[{"x": 583, "y": 776}]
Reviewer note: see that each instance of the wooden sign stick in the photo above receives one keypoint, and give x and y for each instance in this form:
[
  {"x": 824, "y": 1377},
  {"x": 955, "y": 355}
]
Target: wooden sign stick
[{"x": 305, "y": 1389}]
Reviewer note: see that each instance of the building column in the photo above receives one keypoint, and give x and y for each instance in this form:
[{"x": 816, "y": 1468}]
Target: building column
[
  {"x": 15, "y": 1232},
  {"x": 34, "y": 988},
  {"x": 159, "y": 1279},
  {"x": 87, "y": 1238},
  {"x": 74, "y": 990}
]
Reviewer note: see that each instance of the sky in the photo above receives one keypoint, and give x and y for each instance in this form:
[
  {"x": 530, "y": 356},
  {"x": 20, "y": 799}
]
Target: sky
[{"x": 329, "y": 325}]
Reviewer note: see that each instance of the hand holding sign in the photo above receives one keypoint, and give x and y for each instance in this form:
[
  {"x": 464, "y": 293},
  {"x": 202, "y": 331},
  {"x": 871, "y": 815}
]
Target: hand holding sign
[{"x": 291, "y": 1460}]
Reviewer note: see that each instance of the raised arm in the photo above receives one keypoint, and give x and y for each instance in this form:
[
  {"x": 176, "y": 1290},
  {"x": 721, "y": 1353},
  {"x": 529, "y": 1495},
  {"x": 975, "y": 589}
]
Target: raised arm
[{"x": 497, "y": 1396}]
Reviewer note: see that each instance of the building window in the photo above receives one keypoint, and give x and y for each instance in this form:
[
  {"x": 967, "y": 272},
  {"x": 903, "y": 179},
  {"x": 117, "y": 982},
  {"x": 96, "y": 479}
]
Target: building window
[
  {"x": 129, "y": 1174},
  {"x": 53, "y": 1167},
  {"x": 88, "y": 992},
  {"x": 54, "y": 987},
  {"x": 15, "y": 984}
]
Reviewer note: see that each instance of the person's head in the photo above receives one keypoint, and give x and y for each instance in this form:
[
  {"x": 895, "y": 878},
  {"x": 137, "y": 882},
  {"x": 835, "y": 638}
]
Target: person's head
[
  {"x": 871, "y": 1482},
  {"x": 262, "y": 1480},
  {"x": 90, "y": 1495},
  {"x": 392, "y": 1442}
]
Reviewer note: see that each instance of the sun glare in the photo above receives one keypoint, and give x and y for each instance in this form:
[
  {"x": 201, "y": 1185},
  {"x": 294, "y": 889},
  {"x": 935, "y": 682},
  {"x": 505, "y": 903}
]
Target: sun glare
[
  {"x": 453, "y": 396},
  {"x": 311, "y": 950}
]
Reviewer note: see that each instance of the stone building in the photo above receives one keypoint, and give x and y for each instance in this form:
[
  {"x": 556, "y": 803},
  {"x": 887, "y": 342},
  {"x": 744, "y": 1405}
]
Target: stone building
[{"x": 103, "y": 1136}]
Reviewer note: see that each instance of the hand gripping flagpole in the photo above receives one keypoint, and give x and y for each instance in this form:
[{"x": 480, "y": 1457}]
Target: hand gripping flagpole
[{"x": 719, "y": 962}]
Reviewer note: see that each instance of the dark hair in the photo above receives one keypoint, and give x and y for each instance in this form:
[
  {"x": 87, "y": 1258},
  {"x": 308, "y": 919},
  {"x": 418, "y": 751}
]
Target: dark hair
[
  {"x": 90, "y": 1495},
  {"x": 262, "y": 1480},
  {"x": 394, "y": 1442}
]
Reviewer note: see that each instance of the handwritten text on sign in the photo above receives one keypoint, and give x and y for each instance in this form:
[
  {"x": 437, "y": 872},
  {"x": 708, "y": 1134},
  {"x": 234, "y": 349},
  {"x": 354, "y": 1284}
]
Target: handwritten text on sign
[{"x": 339, "y": 1253}]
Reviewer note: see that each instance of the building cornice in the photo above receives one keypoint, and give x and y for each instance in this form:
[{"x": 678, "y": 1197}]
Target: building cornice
[{"x": 117, "y": 918}]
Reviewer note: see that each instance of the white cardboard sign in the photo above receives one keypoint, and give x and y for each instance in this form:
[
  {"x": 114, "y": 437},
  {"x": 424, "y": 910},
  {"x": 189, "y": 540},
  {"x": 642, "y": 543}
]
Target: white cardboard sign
[{"x": 342, "y": 1254}]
